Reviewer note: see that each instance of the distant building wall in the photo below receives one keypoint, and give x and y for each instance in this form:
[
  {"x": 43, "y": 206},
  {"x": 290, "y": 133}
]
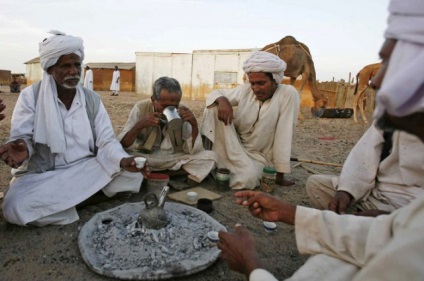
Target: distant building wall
[
  {"x": 5, "y": 77},
  {"x": 102, "y": 78},
  {"x": 198, "y": 73},
  {"x": 151, "y": 65}
]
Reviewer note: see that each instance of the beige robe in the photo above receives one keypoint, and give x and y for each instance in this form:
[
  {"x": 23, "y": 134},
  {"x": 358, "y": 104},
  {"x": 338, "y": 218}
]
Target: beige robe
[
  {"x": 347, "y": 247},
  {"x": 197, "y": 161},
  {"x": 261, "y": 134},
  {"x": 386, "y": 185}
]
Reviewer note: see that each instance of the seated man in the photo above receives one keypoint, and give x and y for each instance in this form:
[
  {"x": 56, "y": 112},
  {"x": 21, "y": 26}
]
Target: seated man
[
  {"x": 346, "y": 247},
  {"x": 260, "y": 132},
  {"x": 15, "y": 87},
  {"x": 167, "y": 147},
  {"x": 382, "y": 173},
  {"x": 62, "y": 135}
]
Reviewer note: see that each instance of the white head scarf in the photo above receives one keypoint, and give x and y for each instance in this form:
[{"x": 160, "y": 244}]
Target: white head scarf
[
  {"x": 48, "y": 126},
  {"x": 402, "y": 90},
  {"x": 261, "y": 61}
]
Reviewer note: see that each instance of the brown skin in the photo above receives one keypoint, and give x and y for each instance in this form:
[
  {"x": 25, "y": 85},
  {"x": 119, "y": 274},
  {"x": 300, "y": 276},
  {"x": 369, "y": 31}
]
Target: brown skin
[
  {"x": 166, "y": 99},
  {"x": 66, "y": 73},
  {"x": 2, "y": 107},
  {"x": 239, "y": 248},
  {"x": 14, "y": 153}
]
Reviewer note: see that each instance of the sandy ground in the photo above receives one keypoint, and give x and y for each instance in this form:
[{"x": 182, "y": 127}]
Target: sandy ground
[{"x": 51, "y": 253}]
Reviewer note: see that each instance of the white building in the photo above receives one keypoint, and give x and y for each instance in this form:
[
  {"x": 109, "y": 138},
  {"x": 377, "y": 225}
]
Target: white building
[{"x": 198, "y": 73}]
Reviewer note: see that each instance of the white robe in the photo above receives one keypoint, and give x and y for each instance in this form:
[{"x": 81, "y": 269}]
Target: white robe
[
  {"x": 88, "y": 80},
  {"x": 261, "y": 134},
  {"x": 116, "y": 81},
  {"x": 347, "y": 247},
  {"x": 197, "y": 161},
  {"x": 78, "y": 174}
]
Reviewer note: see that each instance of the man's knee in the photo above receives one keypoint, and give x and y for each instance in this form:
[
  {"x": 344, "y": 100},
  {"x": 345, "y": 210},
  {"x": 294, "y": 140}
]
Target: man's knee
[
  {"x": 313, "y": 184},
  {"x": 10, "y": 208},
  {"x": 320, "y": 190}
]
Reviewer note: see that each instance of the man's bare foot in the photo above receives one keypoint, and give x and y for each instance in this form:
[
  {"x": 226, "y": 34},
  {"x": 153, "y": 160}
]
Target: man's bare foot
[{"x": 287, "y": 182}]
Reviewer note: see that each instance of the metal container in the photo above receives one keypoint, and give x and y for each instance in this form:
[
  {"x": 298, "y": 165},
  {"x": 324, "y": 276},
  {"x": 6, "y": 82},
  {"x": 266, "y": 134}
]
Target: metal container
[{"x": 154, "y": 216}]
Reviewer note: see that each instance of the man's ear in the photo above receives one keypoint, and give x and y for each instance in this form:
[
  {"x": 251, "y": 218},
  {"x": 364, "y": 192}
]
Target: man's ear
[{"x": 50, "y": 70}]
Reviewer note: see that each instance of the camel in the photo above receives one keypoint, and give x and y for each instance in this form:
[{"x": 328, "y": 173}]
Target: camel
[
  {"x": 299, "y": 62},
  {"x": 362, "y": 83}
]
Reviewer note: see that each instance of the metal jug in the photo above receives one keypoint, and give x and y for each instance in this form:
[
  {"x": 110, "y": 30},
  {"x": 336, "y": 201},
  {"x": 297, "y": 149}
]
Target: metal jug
[{"x": 154, "y": 216}]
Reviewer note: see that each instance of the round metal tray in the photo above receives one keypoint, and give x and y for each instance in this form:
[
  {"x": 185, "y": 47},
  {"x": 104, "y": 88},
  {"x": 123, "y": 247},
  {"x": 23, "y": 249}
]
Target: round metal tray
[{"x": 112, "y": 244}]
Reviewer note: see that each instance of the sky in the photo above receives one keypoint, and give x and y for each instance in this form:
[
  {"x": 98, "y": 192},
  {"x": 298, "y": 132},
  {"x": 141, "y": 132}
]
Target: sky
[{"x": 342, "y": 35}]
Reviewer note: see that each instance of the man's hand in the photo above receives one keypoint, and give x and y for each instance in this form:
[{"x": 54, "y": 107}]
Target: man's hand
[
  {"x": 266, "y": 207},
  {"x": 225, "y": 110},
  {"x": 186, "y": 115},
  {"x": 239, "y": 250},
  {"x": 148, "y": 120},
  {"x": 129, "y": 164},
  {"x": 14, "y": 153},
  {"x": 340, "y": 202}
]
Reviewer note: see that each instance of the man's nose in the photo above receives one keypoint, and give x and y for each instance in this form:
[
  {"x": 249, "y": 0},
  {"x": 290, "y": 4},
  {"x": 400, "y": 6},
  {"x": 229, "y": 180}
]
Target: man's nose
[{"x": 73, "y": 70}]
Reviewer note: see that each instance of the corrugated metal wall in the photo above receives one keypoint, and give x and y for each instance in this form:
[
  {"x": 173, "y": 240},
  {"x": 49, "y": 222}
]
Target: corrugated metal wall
[{"x": 198, "y": 73}]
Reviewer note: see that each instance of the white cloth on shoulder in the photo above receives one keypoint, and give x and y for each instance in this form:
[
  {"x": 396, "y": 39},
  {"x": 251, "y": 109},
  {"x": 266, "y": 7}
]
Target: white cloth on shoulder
[
  {"x": 402, "y": 91},
  {"x": 48, "y": 128},
  {"x": 261, "y": 61}
]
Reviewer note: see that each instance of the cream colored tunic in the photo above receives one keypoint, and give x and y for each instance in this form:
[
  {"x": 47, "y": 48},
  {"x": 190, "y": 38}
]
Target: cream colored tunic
[
  {"x": 197, "y": 161},
  {"x": 261, "y": 134},
  {"x": 386, "y": 185},
  {"x": 388, "y": 247}
]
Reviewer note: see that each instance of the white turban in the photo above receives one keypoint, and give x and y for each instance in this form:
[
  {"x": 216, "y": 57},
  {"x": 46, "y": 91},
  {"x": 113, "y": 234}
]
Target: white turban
[
  {"x": 261, "y": 61},
  {"x": 402, "y": 91},
  {"x": 48, "y": 127},
  {"x": 52, "y": 48}
]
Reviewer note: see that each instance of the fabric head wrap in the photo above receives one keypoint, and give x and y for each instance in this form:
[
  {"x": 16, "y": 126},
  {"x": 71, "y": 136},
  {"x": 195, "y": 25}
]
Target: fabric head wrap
[
  {"x": 402, "y": 90},
  {"x": 52, "y": 48},
  {"x": 261, "y": 61},
  {"x": 48, "y": 125}
]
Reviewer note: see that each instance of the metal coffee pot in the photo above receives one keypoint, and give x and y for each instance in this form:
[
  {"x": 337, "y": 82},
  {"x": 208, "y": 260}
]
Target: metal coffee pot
[{"x": 154, "y": 216}]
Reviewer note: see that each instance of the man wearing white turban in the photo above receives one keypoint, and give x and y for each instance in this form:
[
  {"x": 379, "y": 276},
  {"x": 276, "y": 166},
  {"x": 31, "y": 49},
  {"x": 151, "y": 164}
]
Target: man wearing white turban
[
  {"x": 259, "y": 132},
  {"x": 389, "y": 247},
  {"x": 62, "y": 143}
]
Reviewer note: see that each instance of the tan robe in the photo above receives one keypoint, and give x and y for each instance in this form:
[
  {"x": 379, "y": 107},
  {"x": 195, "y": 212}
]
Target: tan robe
[
  {"x": 261, "y": 134},
  {"x": 347, "y": 247},
  {"x": 197, "y": 161},
  {"x": 386, "y": 185}
]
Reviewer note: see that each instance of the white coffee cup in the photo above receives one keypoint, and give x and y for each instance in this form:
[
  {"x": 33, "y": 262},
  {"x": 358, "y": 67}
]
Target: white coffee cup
[
  {"x": 140, "y": 162},
  {"x": 213, "y": 237},
  {"x": 192, "y": 196},
  {"x": 269, "y": 226}
]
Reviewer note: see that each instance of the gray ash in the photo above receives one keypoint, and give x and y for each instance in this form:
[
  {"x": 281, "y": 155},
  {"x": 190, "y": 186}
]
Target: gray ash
[{"x": 123, "y": 244}]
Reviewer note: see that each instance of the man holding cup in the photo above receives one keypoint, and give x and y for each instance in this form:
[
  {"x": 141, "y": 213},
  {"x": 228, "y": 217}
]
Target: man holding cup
[{"x": 168, "y": 145}]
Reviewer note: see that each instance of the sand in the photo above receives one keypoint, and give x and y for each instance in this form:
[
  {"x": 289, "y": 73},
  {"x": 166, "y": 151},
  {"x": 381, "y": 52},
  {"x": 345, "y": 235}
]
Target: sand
[{"x": 52, "y": 253}]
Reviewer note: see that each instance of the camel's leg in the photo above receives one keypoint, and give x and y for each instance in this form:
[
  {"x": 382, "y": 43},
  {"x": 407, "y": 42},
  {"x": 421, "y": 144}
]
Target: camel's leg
[
  {"x": 357, "y": 101},
  {"x": 355, "y": 106},
  {"x": 361, "y": 106}
]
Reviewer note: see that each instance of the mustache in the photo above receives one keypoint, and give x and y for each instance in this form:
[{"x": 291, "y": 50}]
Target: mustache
[{"x": 70, "y": 77}]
